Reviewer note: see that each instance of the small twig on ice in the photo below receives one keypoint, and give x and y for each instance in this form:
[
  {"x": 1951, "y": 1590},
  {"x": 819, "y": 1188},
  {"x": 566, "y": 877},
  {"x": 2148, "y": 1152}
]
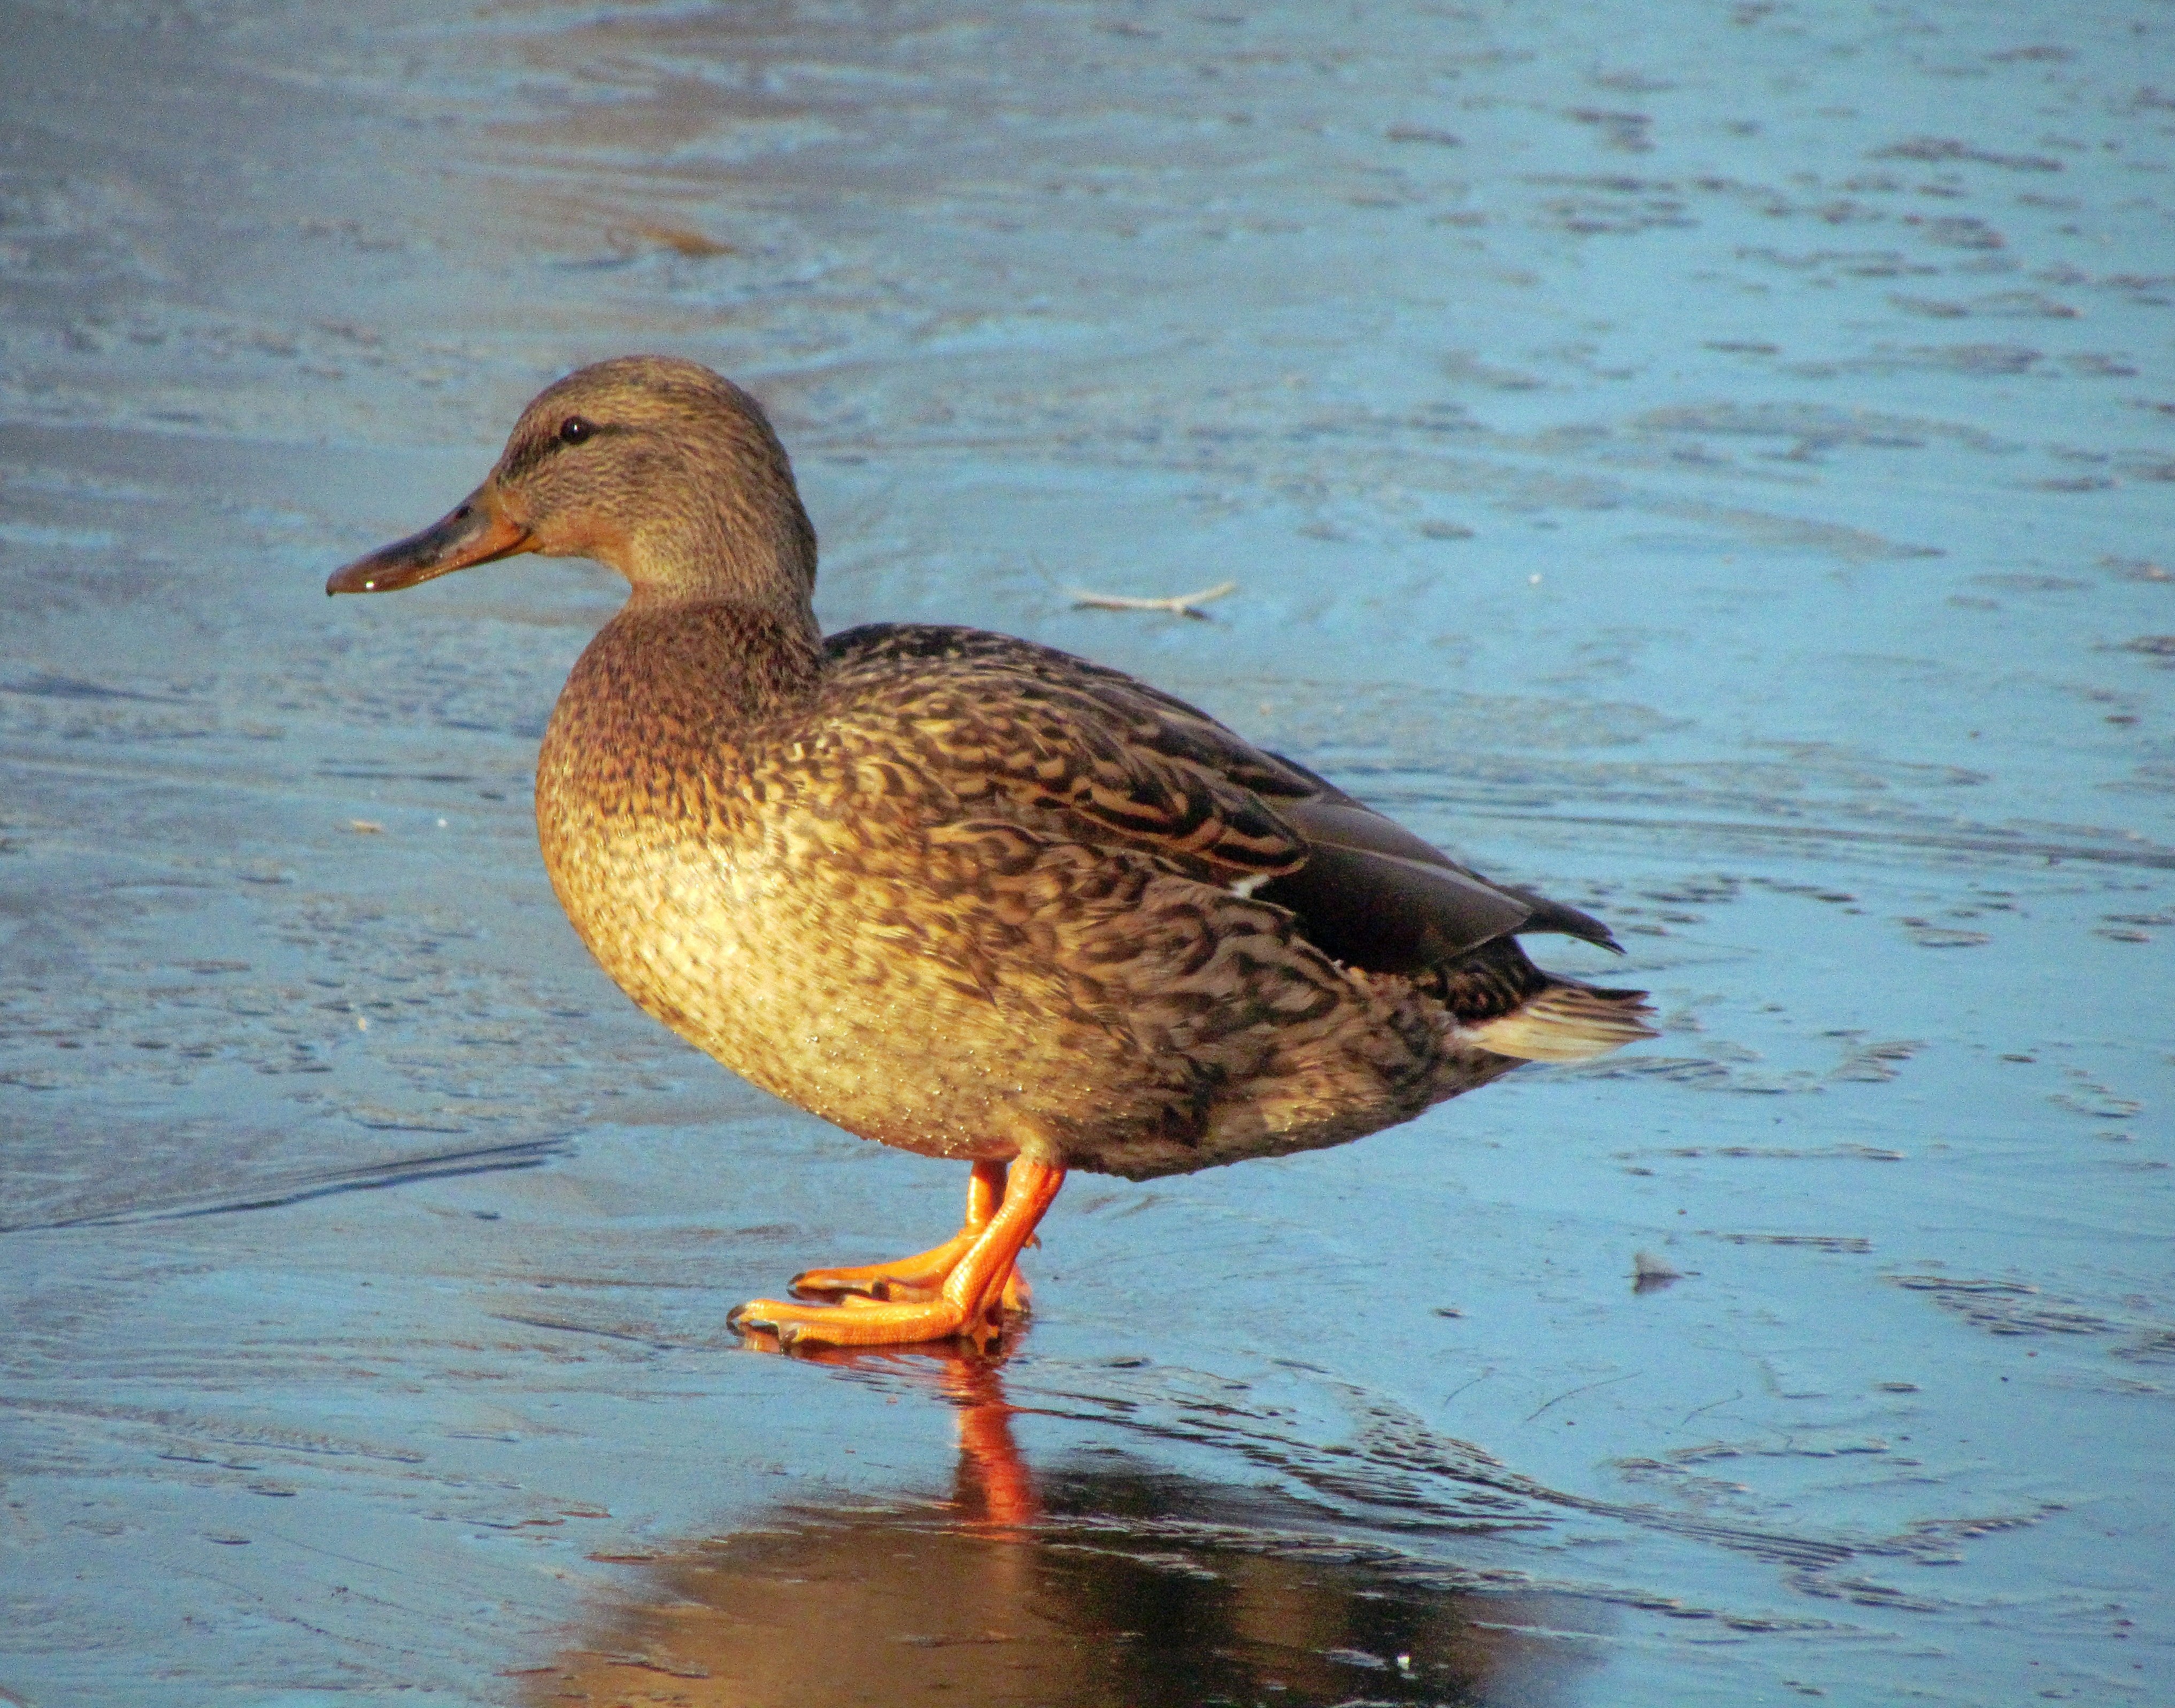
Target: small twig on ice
[
  {"x": 1587, "y": 1388},
  {"x": 1178, "y": 604}
]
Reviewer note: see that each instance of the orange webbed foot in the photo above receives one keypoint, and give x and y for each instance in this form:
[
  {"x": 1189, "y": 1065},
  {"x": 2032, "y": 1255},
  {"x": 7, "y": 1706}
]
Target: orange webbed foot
[
  {"x": 921, "y": 1275},
  {"x": 921, "y": 1278},
  {"x": 854, "y": 1321},
  {"x": 905, "y": 1280},
  {"x": 958, "y": 1288}
]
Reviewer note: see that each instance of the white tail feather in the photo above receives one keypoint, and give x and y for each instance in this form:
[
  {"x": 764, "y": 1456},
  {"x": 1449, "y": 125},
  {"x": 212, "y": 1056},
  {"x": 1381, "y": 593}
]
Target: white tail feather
[{"x": 1565, "y": 1023}]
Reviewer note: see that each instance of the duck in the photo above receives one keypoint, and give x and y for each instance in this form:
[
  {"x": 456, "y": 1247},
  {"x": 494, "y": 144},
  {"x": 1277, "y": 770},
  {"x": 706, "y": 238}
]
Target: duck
[{"x": 958, "y": 893}]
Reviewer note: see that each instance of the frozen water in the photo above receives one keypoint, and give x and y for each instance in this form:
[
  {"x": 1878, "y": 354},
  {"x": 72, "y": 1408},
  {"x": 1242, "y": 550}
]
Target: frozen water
[{"x": 1712, "y": 461}]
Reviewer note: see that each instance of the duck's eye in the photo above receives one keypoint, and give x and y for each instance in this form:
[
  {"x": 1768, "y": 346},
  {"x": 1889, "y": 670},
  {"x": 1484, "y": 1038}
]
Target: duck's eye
[{"x": 573, "y": 430}]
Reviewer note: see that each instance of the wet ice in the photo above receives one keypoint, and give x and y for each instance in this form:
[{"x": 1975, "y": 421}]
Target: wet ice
[{"x": 1813, "y": 361}]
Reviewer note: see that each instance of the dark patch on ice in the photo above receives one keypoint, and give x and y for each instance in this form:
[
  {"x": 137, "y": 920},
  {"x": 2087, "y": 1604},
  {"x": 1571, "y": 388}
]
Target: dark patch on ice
[{"x": 303, "y": 1185}]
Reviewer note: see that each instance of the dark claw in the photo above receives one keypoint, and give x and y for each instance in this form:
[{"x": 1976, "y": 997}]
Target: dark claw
[
  {"x": 883, "y": 1291},
  {"x": 799, "y": 1288}
]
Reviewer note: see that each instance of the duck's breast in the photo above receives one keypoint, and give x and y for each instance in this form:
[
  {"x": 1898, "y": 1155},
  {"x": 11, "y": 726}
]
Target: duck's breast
[{"x": 780, "y": 927}]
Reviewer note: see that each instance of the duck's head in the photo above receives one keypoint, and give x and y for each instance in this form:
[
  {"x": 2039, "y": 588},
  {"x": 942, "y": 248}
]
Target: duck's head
[{"x": 654, "y": 466}]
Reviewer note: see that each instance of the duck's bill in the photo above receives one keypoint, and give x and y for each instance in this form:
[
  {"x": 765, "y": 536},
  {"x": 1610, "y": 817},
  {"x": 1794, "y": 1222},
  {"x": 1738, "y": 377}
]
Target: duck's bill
[{"x": 474, "y": 533}]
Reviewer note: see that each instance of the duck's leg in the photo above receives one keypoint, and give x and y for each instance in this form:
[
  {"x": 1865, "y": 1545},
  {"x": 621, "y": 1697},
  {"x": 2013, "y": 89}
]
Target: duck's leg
[
  {"x": 923, "y": 1273},
  {"x": 971, "y": 1295}
]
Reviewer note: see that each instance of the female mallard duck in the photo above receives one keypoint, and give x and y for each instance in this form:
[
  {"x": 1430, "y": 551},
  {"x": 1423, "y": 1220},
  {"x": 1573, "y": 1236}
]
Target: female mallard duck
[{"x": 955, "y": 891}]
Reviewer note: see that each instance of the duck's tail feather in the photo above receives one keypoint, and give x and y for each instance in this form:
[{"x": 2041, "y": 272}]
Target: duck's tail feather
[{"x": 1566, "y": 1023}]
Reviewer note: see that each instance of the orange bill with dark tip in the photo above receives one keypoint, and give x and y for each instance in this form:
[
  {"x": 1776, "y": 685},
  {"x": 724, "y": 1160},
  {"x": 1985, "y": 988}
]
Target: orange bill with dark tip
[{"x": 477, "y": 532}]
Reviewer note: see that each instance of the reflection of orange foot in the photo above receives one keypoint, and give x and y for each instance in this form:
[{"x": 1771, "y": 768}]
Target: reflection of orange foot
[
  {"x": 957, "y": 1289},
  {"x": 995, "y": 1485}
]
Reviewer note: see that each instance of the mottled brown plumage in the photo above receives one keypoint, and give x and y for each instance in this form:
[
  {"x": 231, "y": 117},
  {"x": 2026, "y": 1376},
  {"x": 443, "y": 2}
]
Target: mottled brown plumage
[{"x": 958, "y": 892}]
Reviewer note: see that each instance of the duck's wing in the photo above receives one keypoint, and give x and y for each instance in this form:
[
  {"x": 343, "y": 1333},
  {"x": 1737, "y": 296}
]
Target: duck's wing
[
  {"x": 1374, "y": 894},
  {"x": 1011, "y": 727},
  {"x": 1006, "y": 720}
]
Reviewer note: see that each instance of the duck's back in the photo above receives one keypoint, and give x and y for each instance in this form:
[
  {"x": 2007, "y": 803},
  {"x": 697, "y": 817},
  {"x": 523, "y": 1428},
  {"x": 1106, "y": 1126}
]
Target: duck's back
[{"x": 976, "y": 897}]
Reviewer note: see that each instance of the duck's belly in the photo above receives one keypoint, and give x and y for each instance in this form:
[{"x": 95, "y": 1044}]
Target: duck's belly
[{"x": 843, "y": 992}]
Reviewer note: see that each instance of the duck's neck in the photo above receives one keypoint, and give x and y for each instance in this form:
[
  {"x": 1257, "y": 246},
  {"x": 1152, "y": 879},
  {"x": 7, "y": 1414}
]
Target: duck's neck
[{"x": 720, "y": 547}]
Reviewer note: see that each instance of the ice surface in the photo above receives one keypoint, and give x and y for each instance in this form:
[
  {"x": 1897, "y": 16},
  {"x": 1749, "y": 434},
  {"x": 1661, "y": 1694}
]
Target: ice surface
[{"x": 1711, "y": 461}]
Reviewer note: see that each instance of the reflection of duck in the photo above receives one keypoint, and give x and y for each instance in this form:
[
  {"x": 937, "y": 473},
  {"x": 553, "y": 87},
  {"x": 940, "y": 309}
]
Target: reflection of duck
[
  {"x": 958, "y": 893},
  {"x": 1118, "y": 1586}
]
